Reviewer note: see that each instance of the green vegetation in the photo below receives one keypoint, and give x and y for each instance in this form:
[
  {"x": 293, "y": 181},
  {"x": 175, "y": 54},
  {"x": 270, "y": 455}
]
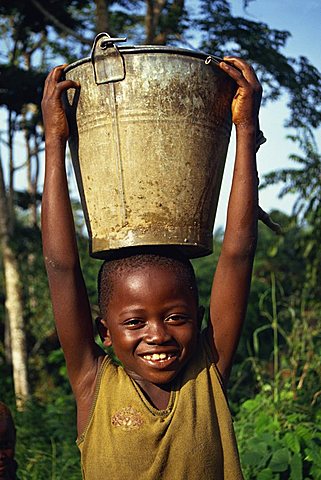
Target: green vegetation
[
  {"x": 46, "y": 439},
  {"x": 275, "y": 392}
]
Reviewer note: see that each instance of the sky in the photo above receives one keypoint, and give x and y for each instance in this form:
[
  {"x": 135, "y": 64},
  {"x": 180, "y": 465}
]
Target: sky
[{"x": 302, "y": 18}]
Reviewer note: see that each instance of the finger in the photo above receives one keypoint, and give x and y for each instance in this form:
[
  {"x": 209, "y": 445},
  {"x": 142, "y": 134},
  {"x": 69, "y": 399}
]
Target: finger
[
  {"x": 55, "y": 89},
  {"x": 65, "y": 85},
  {"x": 238, "y": 63},
  {"x": 57, "y": 72},
  {"x": 234, "y": 73},
  {"x": 53, "y": 77},
  {"x": 246, "y": 69}
]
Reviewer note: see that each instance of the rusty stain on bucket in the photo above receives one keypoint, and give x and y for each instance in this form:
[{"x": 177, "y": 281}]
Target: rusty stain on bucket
[{"x": 149, "y": 150}]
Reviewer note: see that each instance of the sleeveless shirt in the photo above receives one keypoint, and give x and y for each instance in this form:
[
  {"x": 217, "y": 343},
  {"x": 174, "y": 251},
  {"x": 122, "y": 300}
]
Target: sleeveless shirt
[{"x": 192, "y": 439}]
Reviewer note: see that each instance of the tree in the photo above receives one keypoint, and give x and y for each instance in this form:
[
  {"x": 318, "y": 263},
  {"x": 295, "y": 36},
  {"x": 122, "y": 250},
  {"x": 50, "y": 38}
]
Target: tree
[
  {"x": 21, "y": 93},
  {"x": 304, "y": 181},
  {"x": 14, "y": 306},
  {"x": 262, "y": 46}
]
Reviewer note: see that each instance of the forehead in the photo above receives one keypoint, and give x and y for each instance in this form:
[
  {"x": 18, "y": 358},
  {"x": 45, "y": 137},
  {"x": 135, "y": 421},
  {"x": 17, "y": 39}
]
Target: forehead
[
  {"x": 151, "y": 284},
  {"x": 137, "y": 277}
]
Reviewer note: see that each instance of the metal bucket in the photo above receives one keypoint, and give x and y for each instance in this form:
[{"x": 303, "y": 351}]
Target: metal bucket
[{"x": 150, "y": 128}]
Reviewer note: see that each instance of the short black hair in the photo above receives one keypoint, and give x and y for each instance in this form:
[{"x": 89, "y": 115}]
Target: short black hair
[{"x": 134, "y": 259}]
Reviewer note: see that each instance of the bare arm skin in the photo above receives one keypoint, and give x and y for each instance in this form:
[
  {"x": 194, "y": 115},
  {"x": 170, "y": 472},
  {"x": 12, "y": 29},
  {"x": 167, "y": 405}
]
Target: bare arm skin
[
  {"x": 232, "y": 278},
  {"x": 67, "y": 288}
]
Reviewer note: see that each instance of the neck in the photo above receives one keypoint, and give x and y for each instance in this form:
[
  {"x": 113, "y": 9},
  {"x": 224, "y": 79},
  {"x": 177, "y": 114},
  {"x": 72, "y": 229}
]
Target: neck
[{"x": 157, "y": 395}]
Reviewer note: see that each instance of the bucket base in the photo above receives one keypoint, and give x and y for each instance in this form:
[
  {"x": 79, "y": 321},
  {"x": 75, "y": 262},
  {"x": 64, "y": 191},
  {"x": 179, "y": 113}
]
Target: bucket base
[
  {"x": 189, "y": 251},
  {"x": 195, "y": 243}
]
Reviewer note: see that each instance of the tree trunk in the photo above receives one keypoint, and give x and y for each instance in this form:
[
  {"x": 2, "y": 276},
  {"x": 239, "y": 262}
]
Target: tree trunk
[
  {"x": 157, "y": 34},
  {"x": 30, "y": 132},
  {"x": 153, "y": 13},
  {"x": 102, "y": 16},
  {"x": 32, "y": 174},
  {"x": 10, "y": 201},
  {"x": 13, "y": 303},
  {"x": 149, "y": 22},
  {"x": 14, "y": 310}
]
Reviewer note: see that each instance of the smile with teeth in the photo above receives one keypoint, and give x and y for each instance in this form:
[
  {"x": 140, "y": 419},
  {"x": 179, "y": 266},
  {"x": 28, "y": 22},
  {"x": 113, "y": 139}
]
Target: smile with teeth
[{"x": 159, "y": 357}]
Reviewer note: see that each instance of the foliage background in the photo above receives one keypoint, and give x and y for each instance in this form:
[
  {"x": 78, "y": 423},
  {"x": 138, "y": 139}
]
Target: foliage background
[{"x": 275, "y": 390}]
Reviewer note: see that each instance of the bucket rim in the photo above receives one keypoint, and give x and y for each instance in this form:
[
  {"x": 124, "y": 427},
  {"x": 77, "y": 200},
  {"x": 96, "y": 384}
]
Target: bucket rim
[{"x": 131, "y": 49}]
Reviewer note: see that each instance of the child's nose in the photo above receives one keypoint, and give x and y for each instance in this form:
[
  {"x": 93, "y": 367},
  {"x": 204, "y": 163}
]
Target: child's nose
[{"x": 157, "y": 333}]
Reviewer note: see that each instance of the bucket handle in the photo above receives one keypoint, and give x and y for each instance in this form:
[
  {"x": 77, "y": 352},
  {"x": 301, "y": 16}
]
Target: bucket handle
[
  {"x": 108, "y": 63},
  {"x": 214, "y": 59}
]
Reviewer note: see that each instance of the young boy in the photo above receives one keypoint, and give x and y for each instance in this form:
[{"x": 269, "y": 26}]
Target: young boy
[
  {"x": 8, "y": 465},
  {"x": 163, "y": 413}
]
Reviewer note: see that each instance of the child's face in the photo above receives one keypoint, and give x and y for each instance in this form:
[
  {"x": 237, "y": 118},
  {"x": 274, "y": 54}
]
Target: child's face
[
  {"x": 152, "y": 323},
  {"x": 7, "y": 447}
]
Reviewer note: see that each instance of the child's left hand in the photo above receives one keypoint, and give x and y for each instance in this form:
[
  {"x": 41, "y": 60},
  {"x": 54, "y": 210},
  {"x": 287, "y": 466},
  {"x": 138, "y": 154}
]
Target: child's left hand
[
  {"x": 246, "y": 102},
  {"x": 53, "y": 113}
]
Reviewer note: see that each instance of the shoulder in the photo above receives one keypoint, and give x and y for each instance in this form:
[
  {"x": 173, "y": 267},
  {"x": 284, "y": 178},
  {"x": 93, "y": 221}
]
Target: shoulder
[
  {"x": 205, "y": 357},
  {"x": 206, "y": 344},
  {"x": 87, "y": 390}
]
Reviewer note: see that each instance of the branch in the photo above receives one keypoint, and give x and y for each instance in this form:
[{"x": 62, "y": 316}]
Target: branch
[
  {"x": 153, "y": 12},
  {"x": 262, "y": 215},
  {"x": 267, "y": 220},
  {"x": 60, "y": 25},
  {"x": 37, "y": 44},
  {"x": 102, "y": 17}
]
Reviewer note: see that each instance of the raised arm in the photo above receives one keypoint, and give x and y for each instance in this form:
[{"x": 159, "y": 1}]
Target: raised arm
[
  {"x": 232, "y": 278},
  {"x": 67, "y": 288}
]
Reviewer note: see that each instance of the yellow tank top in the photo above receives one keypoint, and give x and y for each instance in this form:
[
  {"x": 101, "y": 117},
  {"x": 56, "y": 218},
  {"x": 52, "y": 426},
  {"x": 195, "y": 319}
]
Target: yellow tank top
[{"x": 128, "y": 439}]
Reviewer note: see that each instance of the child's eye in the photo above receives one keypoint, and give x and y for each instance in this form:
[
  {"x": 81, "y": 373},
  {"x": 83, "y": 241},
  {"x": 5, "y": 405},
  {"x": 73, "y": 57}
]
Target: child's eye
[
  {"x": 177, "y": 319},
  {"x": 134, "y": 323}
]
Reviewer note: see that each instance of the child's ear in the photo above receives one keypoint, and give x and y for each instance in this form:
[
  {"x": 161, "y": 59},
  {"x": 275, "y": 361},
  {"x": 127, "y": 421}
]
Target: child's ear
[
  {"x": 200, "y": 315},
  {"x": 103, "y": 331}
]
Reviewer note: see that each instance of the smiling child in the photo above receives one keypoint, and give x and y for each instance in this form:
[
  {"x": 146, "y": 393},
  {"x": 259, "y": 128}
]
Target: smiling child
[{"x": 162, "y": 414}]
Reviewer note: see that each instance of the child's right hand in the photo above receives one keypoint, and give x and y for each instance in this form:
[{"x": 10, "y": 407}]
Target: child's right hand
[
  {"x": 54, "y": 117},
  {"x": 247, "y": 100}
]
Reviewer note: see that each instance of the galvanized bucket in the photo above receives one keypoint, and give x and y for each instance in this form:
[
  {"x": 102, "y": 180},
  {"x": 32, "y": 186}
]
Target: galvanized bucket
[{"x": 150, "y": 128}]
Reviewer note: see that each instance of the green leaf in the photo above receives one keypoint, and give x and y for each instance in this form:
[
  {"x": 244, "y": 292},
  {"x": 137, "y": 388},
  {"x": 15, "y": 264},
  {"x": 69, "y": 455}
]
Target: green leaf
[
  {"x": 296, "y": 467},
  {"x": 265, "y": 474},
  {"x": 292, "y": 441},
  {"x": 303, "y": 432},
  {"x": 313, "y": 454},
  {"x": 280, "y": 460},
  {"x": 251, "y": 458},
  {"x": 267, "y": 438},
  {"x": 251, "y": 404},
  {"x": 273, "y": 251},
  {"x": 262, "y": 421}
]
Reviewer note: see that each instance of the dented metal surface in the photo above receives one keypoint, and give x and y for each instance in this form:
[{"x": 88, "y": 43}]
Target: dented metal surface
[{"x": 149, "y": 150}]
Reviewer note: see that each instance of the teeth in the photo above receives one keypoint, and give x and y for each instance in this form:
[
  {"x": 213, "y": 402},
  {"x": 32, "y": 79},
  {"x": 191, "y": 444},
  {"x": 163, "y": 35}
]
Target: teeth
[{"x": 158, "y": 356}]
